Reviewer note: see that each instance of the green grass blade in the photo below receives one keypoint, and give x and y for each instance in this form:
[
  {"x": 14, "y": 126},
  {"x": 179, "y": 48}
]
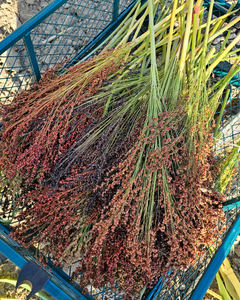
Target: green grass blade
[
  {"x": 221, "y": 112},
  {"x": 222, "y": 289},
  {"x": 212, "y": 293}
]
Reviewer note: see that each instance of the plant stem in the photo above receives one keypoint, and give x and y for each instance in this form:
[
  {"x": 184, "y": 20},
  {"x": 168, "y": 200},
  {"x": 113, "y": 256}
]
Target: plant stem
[
  {"x": 170, "y": 34},
  {"x": 221, "y": 112}
]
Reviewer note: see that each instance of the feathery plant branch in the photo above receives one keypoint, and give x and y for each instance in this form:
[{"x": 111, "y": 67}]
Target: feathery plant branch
[{"x": 125, "y": 149}]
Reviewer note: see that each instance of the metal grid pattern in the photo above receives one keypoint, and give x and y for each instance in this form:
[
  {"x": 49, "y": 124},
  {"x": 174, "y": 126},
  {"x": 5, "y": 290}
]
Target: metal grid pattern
[
  {"x": 59, "y": 277},
  {"x": 68, "y": 30},
  {"x": 123, "y": 4},
  {"x": 15, "y": 71},
  {"x": 61, "y": 34},
  {"x": 28, "y": 255}
]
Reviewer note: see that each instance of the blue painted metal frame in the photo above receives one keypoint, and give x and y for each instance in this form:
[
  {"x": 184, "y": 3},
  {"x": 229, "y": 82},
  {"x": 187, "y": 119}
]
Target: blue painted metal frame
[
  {"x": 25, "y": 29},
  {"x": 24, "y": 32},
  {"x": 115, "y": 10},
  {"x": 18, "y": 260},
  {"x": 32, "y": 55},
  {"x": 157, "y": 288},
  {"x": 231, "y": 204},
  {"x": 51, "y": 287},
  {"x": 29, "y": 25},
  {"x": 222, "y": 8}
]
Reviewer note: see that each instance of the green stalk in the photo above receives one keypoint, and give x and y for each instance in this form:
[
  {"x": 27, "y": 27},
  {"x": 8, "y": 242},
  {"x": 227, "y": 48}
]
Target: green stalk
[
  {"x": 232, "y": 72},
  {"x": 221, "y": 112},
  {"x": 210, "y": 55},
  {"x": 199, "y": 36},
  {"x": 117, "y": 37},
  {"x": 222, "y": 289},
  {"x": 182, "y": 21},
  {"x": 184, "y": 47},
  {"x": 225, "y": 28},
  {"x": 130, "y": 31},
  {"x": 216, "y": 26},
  {"x": 222, "y": 55},
  {"x": 230, "y": 280},
  {"x": 160, "y": 24},
  {"x": 170, "y": 34},
  {"x": 153, "y": 95},
  {"x": 227, "y": 168},
  {"x": 212, "y": 293},
  {"x": 205, "y": 42},
  {"x": 222, "y": 20},
  {"x": 224, "y": 43},
  {"x": 153, "y": 48},
  {"x": 194, "y": 36},
  {"x": 215, "y": 21},
  {"x": 132, "y": 25},
  {"x": 140, "y": 25},
  {"x": 129, "y": 15},
  {"x": 144, "y": 59}
]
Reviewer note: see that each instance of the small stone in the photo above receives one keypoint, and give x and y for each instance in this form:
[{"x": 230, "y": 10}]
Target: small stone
[
  {"x": 80, "y": 13},
  {"x": 49, "y": 29},
  {"x": 182, "y": 287},
  {"x": 237, "y": 25},
  {"x": 233, "y": 30},
  {"x": 43, "y": 4},
  {"x": 77, "y": 45},
  {"x": 4, "y": 6},
  {"x": 232, "y": 36},
  {"x": 50, "y": 58},
  {"x": 237, "y": 45},
  {"x": 30, "y": 1},
  {"x": 218, "y": 40},
  {"x": 237, "y": 248},
  {"x": 236, "y": 263},
  {"x": 70, "y": 20},
  {"x": 45, "y": 51},
  {"x": 67, "y": 5},
  {"x": 73, "y": 10},
  {"x": 235, "y": 268}
]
